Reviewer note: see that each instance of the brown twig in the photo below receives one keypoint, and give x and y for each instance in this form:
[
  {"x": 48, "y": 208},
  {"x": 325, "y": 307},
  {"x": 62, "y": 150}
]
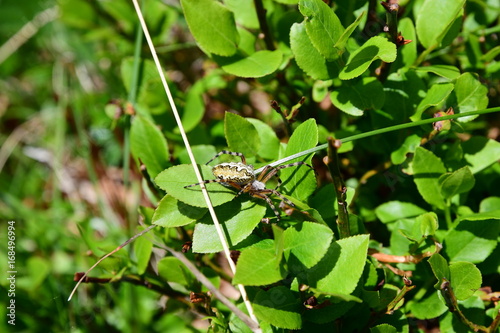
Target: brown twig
[
  {"x": 452, "y": 304},
  {"x": 340, "y": 188},
  {"x": 206, "y": 282},
  {"x": 264, "y": 27},
  {"x": 138, "y": 281},
  {"x": 391, "y": 27},
  {"x": 415, "y": 259},
  {"x": 107, "y": 255},
  {"x": 407, "y": 287}
]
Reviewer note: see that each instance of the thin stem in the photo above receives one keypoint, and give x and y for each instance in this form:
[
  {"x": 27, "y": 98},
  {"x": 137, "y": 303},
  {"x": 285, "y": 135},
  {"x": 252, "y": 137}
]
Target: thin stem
[
  {"x": 496, "y": 323},
  {"x": 392, "y": 19},
  {"x": 132, "y": 96},
  {"x": 140, "y": 281},
  {"x": 206, "y": 282},
  {"x": 381, "y": 131},
  {"x": 340, "y": 188},
  {"x": 264, "y": 27},
  {"x": 452, "y": 303},
  {"x": 288, "y": 129},
  {"x": 398, "y": 298}
]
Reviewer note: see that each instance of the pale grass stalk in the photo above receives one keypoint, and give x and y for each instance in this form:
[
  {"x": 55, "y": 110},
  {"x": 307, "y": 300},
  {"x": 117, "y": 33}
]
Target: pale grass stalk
[
  {"x": 218, "y": 227},
  {"x": 27, "y": 31}
]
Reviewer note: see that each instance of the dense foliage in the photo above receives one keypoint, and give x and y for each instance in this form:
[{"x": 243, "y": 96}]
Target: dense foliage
[{"x": 395, "y": 230}]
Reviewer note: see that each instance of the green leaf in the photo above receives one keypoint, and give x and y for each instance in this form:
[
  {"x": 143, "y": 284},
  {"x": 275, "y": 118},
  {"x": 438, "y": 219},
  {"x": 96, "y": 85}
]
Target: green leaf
[
  {"x": 471, "y": 95},
  {"x": 218, "y": 36},
  {"x": 459, "y": 181},
  {"x": 258, "y": 265},
  {"x": 340, "y": 44},
  {"x": 435, "y": 96},
  {"x": 37, "y": 269},
  {"x": 151, "y": 98},
  {"x": 194, "y": 109},
  {"x": 148, "y": 72},
  {"x": 246, "y": 46},
  {"x": 148, "y": 145},
  {"x": 428, "y": 223},
  {"x": 257, "y": 64},
  {"x": 173, "y": 270},
  {"x": 270, "y": 144},
  {"x": 375, "y": 48},
  {"x": 383, "y": 328},
  {"x": 440, "y": 268},
  {"x": 396, "y": 210},
  {"x": 368, "y": 93},
  {"x": 340, "y": 269},
  {"x": 403, "y": 92},
  {"x": 175, "y": 178},
  {"x": 143, "y": 247},
  {"x": 446, "y": 71},
  {"x": 408, "y": 53},
  {"x": 472, "y": 239},
  {"x": 173, "y": 213},
  {"x": 322, "y": 26},
  {"x": 305, "y": 244},
  {"x": 325, "y": 201},
  {"x": 237, "y": 219},
  {"x": 429, "y": 307},
  {"x": 300, "y": 182},
  {"x": 480, "y": 153},
  {"x": 341, "y": 304},
  {"x": 278, "y": 234},
  {"x": 465, "y": 280},
  {"x": 320, "y": 90},
  {"x": 279, "y": 307},
  {"x": 244, "y": 12},
  {"x": 434, "y": 19},
  {"x": 404, "y": 236},
  {"x": 489, "y": 204},
  {"x": 308, "y": 57},
  {"x": 427, "y": 168},
  {"x": 241, "y": 135},
  {"x": 409, "y": 145}
]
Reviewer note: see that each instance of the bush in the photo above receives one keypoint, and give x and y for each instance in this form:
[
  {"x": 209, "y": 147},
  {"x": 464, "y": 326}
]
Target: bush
[{"x": 383, "y": 218}]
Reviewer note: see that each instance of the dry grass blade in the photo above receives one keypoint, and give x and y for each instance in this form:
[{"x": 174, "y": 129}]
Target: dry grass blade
[
  {"x": 107, "y": 255},
  {"x": 192, "y": 159}
]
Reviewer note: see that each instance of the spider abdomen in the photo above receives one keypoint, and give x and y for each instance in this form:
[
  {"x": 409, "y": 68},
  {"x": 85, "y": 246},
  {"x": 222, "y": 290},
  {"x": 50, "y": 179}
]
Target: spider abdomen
[{"x": 238, "y": 173}]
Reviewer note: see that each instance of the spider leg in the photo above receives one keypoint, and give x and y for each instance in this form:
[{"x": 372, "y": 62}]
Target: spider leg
[
  {"x": 284, "y": 166},
  {"x": 242, "y": 189},
  {"x": 263, "y": 177},
  {"x": 267, "y": 173},
  {"x": 206, "y": 182},
  {"x": 273, "y": 191},
  {"x": 262, "y": 195},
  {"x": 222, "y": 152},
  {"x": 299, "y": 163}
]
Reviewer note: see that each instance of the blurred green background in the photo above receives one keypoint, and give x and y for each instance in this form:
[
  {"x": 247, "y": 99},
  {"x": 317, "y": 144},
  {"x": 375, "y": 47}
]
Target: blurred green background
[{"x": 61, "y": 161}]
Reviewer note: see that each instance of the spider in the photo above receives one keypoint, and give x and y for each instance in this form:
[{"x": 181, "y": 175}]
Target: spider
[{"x": 242, "y": 177}]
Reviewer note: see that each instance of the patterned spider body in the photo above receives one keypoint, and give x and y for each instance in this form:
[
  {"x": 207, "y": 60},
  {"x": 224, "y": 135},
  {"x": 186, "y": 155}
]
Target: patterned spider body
[
  {"x": 242, "y": 177},
  {"x": 232, "y": 172}
]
